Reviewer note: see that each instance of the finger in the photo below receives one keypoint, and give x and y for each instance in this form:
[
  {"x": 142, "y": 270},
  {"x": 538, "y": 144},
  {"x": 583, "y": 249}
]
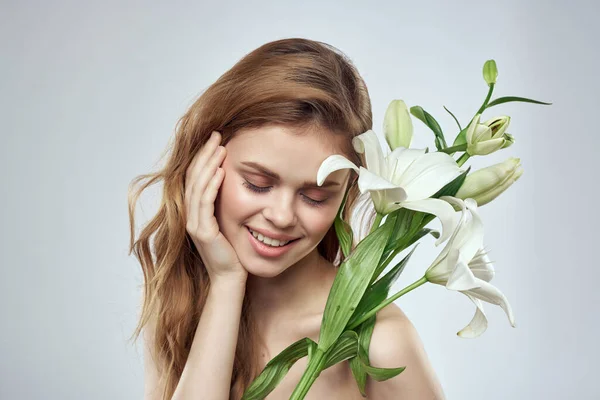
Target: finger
[
  {"x": 200, "y": 159},
  {"x": 200, "y": 185},
  {"x": 196, "y": 164},
  {"x": 206, "y": 150},
  {"x": 207, "y": 222}
]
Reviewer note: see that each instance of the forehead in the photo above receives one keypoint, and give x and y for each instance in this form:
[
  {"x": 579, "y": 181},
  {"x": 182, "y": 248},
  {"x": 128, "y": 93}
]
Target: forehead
[{"x": 294, "y": 153}]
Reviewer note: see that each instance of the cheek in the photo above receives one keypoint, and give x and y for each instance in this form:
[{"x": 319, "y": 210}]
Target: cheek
[
  {"x": 319, "y": 221},
  {"x": 234, "y": 201}
]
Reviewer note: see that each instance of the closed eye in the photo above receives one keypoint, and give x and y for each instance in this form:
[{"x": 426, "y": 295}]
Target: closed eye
[{"x": 259, "y": 189}]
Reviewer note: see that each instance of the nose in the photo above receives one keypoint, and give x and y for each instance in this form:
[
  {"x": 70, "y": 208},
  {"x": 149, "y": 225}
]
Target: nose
[{"x": 281, "y": 212}]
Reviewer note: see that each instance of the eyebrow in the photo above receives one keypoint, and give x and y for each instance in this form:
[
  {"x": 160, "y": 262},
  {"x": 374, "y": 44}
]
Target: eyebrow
[{"x": 275, "y": 176}]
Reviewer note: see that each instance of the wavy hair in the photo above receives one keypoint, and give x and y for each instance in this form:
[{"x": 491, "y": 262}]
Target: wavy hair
[{"x": 294, "y": 82}]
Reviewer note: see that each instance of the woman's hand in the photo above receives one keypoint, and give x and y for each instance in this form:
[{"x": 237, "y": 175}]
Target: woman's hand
[{"x": 202, "y": 181}]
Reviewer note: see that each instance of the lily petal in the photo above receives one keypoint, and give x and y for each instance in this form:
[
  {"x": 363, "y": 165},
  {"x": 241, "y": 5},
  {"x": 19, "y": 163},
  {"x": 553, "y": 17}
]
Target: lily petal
[
  {"x": 331, "y": 164},
  {"x": 469, "y": 235},
  {"x": 383, "y": 193},
  {"x": 471, "y": 128},
  {"x": 400, "y": 159},
  {"x": 369, "y": 144},
  {"x": 443, "y": 265},
  {"x": 441, "y": 209},
  {"x": 491, "y": 294},
  {"x": 482, "y": 133},
  {"x": 427, "y": 175},
  {"x": 487, "y": 146},
  {"x": 481, "y": 266},
  {"x": 381, "y": 200},
  {"x": 369, "y": 181},
  {"x": 461, "y": 278},
  {"x": 478, "y": 324}
]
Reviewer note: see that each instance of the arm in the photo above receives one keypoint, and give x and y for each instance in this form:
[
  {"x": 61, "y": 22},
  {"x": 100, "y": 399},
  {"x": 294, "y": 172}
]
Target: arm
[
  {"x": 396, "y": 343},
  {"x": 208, "y": 368},
  {"x": 152, "y": 388}
]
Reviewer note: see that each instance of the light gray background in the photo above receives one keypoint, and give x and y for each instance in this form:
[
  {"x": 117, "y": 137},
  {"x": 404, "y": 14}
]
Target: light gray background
[{"x": 90, "y": 93}]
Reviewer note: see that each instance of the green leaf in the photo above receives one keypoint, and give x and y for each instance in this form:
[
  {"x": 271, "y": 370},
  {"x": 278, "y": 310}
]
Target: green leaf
[
  {"x": 428, "y": 120},
  {"x": 461, "y": 138},
  {"x": 379, "y": 374},
  {"x": 277, "y": 368},
  {"x": 451, "y": 188},
  {"x": 365, "y": 332},
  {"x": 407, "y": 223},
  {"x": 378, "y": 292},
  {"x": 343, "y": 230},
  {"x": 344, "y": 348},
  {"x": 508, "y": 99},
  {"x": 456, "y": 120},
  {"x": 406, "y": 241},
  {"x": 350, "y": 283}
]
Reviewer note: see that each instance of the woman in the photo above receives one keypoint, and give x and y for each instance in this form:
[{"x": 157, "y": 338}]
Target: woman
[{"x": 218, "y": 302}]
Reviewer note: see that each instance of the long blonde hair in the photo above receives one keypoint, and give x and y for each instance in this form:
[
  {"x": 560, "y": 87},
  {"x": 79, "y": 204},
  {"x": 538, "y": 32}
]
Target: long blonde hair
[{"x": 294, "y": 82}]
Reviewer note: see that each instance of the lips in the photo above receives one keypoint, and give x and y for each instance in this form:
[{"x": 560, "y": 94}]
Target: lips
[
  {"x": 272, "y": 235},
  {"x": 288, "y": 240},
  {"x": 265, "y": 250}
]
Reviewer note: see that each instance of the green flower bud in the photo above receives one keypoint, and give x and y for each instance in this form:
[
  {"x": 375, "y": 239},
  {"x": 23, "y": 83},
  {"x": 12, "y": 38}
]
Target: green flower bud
[
  {"x": 397, "y": 125},
  {"x": 490, "y": 72},
  {"x": 488, "y": 183}
]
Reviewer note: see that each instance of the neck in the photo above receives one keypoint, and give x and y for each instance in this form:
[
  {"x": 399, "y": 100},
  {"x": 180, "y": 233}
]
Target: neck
[{"x": 296, "y": 293}]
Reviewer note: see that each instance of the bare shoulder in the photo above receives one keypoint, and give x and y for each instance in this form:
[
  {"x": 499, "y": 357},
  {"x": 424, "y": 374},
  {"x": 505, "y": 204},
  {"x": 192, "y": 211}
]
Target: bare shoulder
[{"x": 396, "y": 343}]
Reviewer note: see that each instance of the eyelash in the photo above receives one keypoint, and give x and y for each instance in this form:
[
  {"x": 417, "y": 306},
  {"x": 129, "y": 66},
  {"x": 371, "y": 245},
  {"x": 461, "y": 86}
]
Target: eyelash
[{"x": 258, "y": 189}]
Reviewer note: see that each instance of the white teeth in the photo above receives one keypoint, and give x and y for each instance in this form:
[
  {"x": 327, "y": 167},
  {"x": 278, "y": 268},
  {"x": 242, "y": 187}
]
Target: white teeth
[{"x": 268, "y": 241}]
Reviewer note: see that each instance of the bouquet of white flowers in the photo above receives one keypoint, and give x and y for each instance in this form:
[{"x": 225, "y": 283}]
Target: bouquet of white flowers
[{"x": 409, "y": 187}]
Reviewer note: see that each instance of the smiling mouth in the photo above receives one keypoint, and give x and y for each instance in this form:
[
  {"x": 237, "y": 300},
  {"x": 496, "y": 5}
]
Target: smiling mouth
[{"x": 288, "y": 243}]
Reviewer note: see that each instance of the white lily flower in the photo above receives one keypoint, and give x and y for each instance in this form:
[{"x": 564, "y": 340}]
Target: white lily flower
[
  {"x": 488, "y": 137},
  {"x": 406, "y": 178},
  {"x": 464, "y": 266}
]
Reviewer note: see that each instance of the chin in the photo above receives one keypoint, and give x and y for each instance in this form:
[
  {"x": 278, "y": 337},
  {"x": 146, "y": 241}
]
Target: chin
[{"x": 262, "y": 269}]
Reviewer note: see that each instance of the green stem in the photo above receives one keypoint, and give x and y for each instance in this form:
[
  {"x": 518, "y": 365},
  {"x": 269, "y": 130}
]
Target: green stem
[
  {"x": 311, "y": 373},
  {"x": 463, "y": 159},
  {"x": 374, "y": 311},
  {"x": 376, "y": 223},
  {"x": 453, "y": 149},
  {"x": 487, "y": 99}
]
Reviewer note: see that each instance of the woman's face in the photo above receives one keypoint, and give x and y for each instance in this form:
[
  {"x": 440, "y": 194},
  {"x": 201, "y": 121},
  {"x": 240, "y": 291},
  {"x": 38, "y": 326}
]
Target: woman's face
[{"x": 288, "y": 205}]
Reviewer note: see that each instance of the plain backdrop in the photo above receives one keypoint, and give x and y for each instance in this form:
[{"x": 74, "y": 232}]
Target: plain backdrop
[{"x": 89, "y": 96}]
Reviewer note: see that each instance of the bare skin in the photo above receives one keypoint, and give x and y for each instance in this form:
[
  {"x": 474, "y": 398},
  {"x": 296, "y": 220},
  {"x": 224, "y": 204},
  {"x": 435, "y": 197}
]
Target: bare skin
[{"x": 335, "y": 382}]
